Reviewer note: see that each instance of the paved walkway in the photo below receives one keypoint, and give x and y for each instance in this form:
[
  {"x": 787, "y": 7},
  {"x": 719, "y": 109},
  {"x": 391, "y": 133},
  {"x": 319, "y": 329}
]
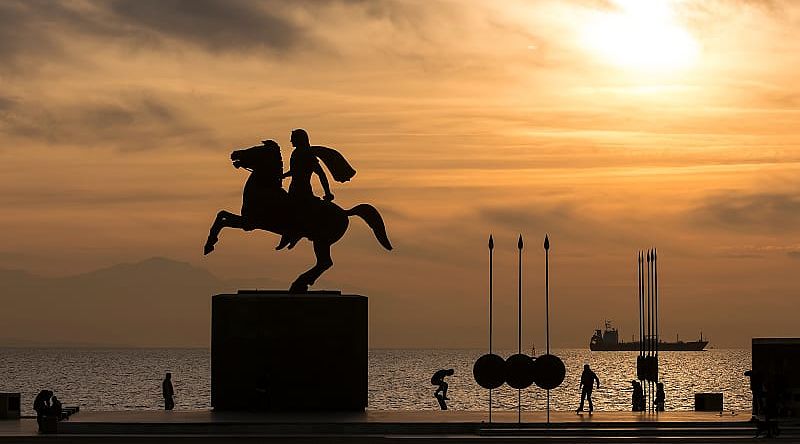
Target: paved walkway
[
  {"x": 384, "y": 426},
  {"x": 450, "y": 416}
]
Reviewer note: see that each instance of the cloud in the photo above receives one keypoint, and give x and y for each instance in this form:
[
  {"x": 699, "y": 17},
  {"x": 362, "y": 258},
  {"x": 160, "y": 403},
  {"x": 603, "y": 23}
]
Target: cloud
[
  {"x": 6, "y": 103},
  {"x": 568, "y": 222},
  {"x": 137, "y": 121},
  {"x": 756, "y": 212},
  {"x": 33, "y": 30},
  {"x": 214, "y": 25}
]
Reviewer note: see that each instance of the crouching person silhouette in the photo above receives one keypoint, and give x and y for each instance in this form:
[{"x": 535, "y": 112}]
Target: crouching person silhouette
[{"x": 441, "y": 391}]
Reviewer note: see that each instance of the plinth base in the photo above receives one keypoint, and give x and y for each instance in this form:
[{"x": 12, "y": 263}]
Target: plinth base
[{"x": 278, "y": 351}]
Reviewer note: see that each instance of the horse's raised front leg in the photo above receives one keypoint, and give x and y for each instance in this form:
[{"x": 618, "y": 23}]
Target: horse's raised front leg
[
  {"x": 323, "y": 253},
  {"x": 223, "y": 219}
]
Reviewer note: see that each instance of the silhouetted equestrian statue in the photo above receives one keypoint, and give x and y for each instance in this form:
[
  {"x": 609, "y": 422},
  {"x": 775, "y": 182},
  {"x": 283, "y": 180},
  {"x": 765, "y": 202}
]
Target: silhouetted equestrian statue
[{"x": 298, "y": 213}]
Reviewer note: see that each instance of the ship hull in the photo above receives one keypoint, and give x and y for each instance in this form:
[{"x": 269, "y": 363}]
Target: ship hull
[{"x": 662, "y": 346}]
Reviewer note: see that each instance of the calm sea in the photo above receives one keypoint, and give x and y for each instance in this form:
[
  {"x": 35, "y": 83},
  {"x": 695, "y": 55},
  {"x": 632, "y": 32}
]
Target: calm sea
[{"x": 130, "y": 379}]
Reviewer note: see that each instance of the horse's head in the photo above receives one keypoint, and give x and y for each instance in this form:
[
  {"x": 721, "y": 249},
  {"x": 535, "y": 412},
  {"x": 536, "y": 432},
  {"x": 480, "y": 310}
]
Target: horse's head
[{"x": 262, "y": 158}]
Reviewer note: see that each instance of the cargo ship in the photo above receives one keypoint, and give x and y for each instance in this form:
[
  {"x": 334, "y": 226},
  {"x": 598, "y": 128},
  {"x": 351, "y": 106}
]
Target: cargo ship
[{"x": 608, "y": 340}]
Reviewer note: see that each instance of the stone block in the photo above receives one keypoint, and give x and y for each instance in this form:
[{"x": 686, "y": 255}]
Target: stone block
[{"x": 271, "y": 350}]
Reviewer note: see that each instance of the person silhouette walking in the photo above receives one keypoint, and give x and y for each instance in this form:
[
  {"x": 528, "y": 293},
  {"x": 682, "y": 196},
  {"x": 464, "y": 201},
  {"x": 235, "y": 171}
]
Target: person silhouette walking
[
  {"x": 588, "y": 378},
  {"x": 168, "y": 392}
]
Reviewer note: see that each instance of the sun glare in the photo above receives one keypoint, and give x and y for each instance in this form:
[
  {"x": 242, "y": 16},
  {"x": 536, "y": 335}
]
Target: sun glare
[{"x": 640, "y": 35}]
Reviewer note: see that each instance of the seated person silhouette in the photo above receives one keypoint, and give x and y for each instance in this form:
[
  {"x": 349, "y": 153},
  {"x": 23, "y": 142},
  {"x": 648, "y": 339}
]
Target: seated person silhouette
[{"x": 438, "y": 379}]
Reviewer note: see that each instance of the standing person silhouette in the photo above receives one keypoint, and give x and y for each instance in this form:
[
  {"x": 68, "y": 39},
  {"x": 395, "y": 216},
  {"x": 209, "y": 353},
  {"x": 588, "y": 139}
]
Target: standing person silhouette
[
  {"x": 588, "y": 378},
  {"x": 302, "y": 165},
  {"x": 661, "y": 397},
  {"x": 56, "y": 408},
  {"x": 637, "y": 399},
  {"x": 41, "y": 405},
  {"x": 168, "y": 392}
]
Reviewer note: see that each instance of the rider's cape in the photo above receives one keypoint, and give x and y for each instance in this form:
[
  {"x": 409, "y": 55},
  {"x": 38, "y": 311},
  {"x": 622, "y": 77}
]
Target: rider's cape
[{"x": 335, "y": 162}]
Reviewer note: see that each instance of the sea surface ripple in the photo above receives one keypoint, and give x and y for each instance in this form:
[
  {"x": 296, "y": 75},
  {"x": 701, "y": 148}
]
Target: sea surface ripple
[{"x": 130, "y": 379}]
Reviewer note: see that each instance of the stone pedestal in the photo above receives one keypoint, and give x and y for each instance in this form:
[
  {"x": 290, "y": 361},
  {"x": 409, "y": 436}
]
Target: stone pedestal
[
  {"x": 776, "y": 361},
  {"x": 271, "y": 350}
]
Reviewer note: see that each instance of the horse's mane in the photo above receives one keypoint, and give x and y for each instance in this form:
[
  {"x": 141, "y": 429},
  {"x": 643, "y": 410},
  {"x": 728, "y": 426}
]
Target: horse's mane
[{"x": 271, "y": 158}]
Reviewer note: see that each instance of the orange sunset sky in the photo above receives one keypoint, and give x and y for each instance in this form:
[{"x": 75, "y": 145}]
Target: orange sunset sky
[{"x": 612, "y": 125}]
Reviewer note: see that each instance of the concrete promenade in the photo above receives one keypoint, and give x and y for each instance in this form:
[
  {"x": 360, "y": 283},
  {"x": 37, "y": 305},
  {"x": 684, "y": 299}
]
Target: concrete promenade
[{"x": 389, "y": 426}]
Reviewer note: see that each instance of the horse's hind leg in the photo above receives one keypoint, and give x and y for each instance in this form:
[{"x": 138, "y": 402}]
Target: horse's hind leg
[
  {"x": 223, "y": 219},
  {"x": 323, "y": 253}
]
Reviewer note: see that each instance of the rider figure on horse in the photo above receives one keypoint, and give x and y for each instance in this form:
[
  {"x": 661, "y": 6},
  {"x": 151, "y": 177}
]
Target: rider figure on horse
[
  {"x": 298, "y": 213},
  {"x": 303, "y": 164}
]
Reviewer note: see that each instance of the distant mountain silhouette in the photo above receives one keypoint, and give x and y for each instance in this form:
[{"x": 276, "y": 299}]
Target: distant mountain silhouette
[{"x": 156, "y": 302}]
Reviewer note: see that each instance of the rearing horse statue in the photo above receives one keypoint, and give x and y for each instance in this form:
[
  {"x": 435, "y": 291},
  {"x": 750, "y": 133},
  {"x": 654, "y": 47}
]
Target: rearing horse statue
[{"x": 267, "y": 206}]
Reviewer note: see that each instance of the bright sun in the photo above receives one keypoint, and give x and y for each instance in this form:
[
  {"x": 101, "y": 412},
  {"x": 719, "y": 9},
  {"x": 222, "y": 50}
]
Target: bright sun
[{"x": 640, "y": 35}]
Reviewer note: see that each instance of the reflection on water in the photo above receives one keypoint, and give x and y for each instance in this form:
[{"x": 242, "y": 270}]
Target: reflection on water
[
  {"x": 400, "y": 379},
  {"x": 130, "y": 379}
]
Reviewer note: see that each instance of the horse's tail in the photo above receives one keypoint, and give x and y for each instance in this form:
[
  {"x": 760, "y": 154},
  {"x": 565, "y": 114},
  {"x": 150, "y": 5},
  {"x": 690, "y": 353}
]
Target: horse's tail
[{"x": 374, "y": 220}]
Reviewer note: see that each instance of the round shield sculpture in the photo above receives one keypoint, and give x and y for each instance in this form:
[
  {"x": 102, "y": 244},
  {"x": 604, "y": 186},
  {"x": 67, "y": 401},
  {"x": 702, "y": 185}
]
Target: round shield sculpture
[
  {"x": 519, "y": 371},
  {"x": 549, "y": 371},
  {"x": 489, "y": 371}
]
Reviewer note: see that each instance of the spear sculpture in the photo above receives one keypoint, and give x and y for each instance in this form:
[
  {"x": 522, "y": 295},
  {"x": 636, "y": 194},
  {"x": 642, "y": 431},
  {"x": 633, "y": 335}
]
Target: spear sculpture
[
  {"x": 655, "y": 297},
  {"x": 649, "y": 326},
  {"x": 519, "y": 321},
  {"x": 491, "y": 253},
  {"x": 640, "y": 289},
  {"x": 547, "y": 307}
]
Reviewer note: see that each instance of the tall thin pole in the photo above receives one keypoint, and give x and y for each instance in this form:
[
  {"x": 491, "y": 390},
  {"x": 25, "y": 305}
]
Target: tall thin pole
[
  {"x": 640, "y": 297},
  {"x": 655, "y": 292},
  {"x": 649, "y": 324},
  {"x": 519, "y": 321},
  {"x": 491, "y": 266},
  {"x": 547, "y": 307},
  {"x": 641, "y": 303},
  {"x": 645, "y": 276}
]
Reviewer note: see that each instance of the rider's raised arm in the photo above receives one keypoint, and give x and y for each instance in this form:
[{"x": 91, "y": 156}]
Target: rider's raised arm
[{"x": 323, "y": 179}]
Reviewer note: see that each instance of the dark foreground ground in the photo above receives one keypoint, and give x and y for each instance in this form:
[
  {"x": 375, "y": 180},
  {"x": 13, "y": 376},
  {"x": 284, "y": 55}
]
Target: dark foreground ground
[{"x": 392, "y": 427}]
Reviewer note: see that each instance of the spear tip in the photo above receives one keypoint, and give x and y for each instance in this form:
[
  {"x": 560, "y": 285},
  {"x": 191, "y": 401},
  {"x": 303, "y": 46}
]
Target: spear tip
[
  {"x": 546, "y": 242},
  {"x": 519, "y": 242},
  {"x": 491, "y": 242}
]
